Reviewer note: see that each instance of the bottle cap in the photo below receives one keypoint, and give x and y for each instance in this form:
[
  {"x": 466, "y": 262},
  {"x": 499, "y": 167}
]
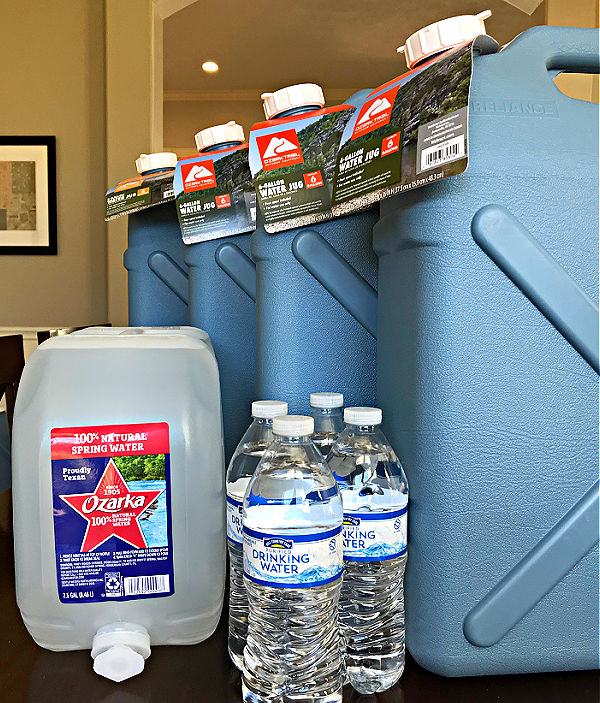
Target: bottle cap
[
  {"x": 293, "y": 425},
  {"x": 219, "y": 134},
  {"x": 326, "y": 400},
  {"x": 269, "y": 408},
  {"x": 363, "y": 416},
  {"x": 119, "y": 650},
  {"x": 440, "y": 36},
  {"x": 293, "y": 96},
  {"x": 150, "y": 162}
]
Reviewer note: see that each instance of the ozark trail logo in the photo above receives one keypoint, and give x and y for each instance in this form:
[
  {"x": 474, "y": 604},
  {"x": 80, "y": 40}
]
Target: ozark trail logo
[
  {"x": 278, "y": 543},
  {"x": 198, "y": 176},
  {"x": 375, "y": 113},
  {"x": 279, "y": 150}
]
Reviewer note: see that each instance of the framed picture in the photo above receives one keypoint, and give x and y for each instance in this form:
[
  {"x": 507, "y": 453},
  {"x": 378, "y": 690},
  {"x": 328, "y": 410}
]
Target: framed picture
[{"x": 27, "y": 195}]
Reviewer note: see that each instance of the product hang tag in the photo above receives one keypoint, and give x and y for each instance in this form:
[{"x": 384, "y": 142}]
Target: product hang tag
[
  {"x": 139, "y": 193},
  {"x": 214, "y": 195},
  {"x": 409, "y": 132},
  {"x": 292, "y": 161}
]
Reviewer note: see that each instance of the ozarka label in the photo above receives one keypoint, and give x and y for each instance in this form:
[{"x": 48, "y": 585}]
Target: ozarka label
[
  {"x": 111, "y": 496},
  {"x": 292, "y": 561}
]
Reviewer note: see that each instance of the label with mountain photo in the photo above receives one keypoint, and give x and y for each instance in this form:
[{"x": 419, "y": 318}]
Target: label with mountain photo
[
  {"x": 292, "y": 161},
  {"x": 139, "y": 193},
  {"x": 407, "y": 133},
  {"x": 214, "y": 195},
  {"x": 111, "y": 492}
]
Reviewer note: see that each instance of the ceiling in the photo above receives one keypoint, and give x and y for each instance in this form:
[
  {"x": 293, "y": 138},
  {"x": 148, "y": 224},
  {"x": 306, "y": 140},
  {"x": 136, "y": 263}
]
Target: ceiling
[{"x": 340, "y": 44}]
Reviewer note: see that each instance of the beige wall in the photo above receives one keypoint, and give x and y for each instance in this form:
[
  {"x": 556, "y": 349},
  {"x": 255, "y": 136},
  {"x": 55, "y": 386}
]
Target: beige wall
[{"x": 52, "y": 83}]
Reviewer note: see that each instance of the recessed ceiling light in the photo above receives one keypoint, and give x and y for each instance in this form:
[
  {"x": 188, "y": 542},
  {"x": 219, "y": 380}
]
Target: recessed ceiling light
[{"x": 210, "y": 67}]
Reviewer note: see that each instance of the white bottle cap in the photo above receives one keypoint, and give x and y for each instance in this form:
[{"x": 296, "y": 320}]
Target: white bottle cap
[
  {"x": 326, "y": 400},
  {"x": 149, "y": 162},
  {"x": 293, "y": 425},
  {"x": 363, "y": 416},
  {"x": 119, "y": 650},
  {"x": 218, "y": 134},
  {"x": 269, "y": 408},
  {"x": 440, "y": 36},
  {"x": 293, "y": 96}
]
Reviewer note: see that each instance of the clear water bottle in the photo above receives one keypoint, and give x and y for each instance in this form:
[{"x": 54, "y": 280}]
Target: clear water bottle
[
  {"x": 326, "y": 410},
  {"x": 292, "y": 569},
  {"x": 254, "y": 443},
  {"x": 375, "y": 496}
]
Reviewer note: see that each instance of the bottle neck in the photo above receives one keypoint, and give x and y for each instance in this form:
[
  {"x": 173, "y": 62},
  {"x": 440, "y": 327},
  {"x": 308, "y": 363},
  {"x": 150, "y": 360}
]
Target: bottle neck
[
  {"x": 293, "y": 441},
  {"x": 295, "y": 111},
  {"x": 327, "y": 412},
  {"x": 219, "y": 146},
  {"x": 263, "y": 421},
  {"x": 362, "y": 429},
  {"x": 156, "y": 170}
]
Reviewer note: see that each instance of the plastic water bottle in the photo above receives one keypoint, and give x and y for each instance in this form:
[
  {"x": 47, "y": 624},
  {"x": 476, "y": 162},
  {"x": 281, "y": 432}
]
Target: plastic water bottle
[
  {"x": 375, "y": 496},
  {"x": 292, "y": 571},
  {"x": 257, "y": 438},
  {"x": 326, "y": 410}
]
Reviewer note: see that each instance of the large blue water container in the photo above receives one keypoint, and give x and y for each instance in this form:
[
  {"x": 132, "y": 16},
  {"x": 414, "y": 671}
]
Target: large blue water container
[
  {"x": 315, "y": 307},
  {"x": 222, "y": 293},
  {"x": 487, "y": 373},
  {"x": 156, "y": 273}
]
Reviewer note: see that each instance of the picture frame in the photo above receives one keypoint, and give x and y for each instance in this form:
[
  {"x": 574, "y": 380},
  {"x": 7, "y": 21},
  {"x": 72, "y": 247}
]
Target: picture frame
[{"x": 28, "y": 195}]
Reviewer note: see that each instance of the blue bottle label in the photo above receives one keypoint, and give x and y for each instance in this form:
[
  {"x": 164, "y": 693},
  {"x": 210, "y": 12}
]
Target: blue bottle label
[
  {"x": 370, "y": 536},
  {"x": 234, "y": 520},
  {"x": 112, "y": 512},
  {"x": 298, "y": 561}
]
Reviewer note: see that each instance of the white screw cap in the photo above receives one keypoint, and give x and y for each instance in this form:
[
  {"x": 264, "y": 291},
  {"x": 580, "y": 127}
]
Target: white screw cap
[
  {"x": 363, "y": 416},
  {"x": 326, "y": 400},
  {"x": 293, "y": 426},
  {"x": 443, "y": 35},
  {"x": 293, "y": 96},
  {"x": 161, "y": 159},
  {"x": 119, "y": 650},
  {"x": 229, "y": 132},
  {"x": 269, "y": 408}
]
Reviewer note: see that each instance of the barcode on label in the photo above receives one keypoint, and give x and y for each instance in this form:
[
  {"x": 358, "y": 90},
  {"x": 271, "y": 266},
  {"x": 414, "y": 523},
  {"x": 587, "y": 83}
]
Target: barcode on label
[
  {"x": 138, "y": 585},
  {"x": 443, "y": 153}
]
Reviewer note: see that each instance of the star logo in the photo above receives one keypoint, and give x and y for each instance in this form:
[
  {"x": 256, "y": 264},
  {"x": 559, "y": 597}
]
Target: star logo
[{"x": 112, "y": 510}]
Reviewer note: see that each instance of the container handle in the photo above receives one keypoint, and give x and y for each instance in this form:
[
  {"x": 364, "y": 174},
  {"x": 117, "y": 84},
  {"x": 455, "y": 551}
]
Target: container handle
[
  {"x": 539, "y": 277},
  {"x": 338, "y": 277},
  {"x": 238, "y": 266},
  {"x": 170, "y": 273}
]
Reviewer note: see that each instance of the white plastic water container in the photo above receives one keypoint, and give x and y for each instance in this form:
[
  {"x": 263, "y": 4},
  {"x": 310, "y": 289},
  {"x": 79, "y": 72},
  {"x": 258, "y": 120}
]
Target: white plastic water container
[{"x": 118, "y": 493}]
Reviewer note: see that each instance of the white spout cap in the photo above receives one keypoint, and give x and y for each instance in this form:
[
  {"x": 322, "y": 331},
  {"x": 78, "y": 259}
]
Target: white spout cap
[
  {"x": 268, "y": 409},
  {"x": 293, "y": 426},
  {"x": 440, "y": 36},
  {"x": 149, "y": 162},
  {"x": 363, "y": 416},
  {"x": 119, "y": 650},
  {"x": 293, "y": 96},
  {"x": 326, "y": 400},
  {"x": 218, "y": 134}
]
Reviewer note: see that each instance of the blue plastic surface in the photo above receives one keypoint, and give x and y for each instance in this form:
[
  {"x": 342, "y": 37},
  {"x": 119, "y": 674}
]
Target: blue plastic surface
[
  {"x": 485, "y": 392},
  {"x": 156, "y": 271},
  {"x": 221, "y": 281},
  {"x": 306, "y": 340}
]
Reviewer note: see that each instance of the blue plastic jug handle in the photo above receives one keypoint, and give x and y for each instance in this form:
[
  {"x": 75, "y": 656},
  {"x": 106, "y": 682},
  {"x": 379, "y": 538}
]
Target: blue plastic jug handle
[
  {"x": 239, "y": 267},
  {"x": 555, "y": 49},
  {"x": 540, "y": 277},
  {"x": 536, "y": 574},
  {"x": 170, "y": 273},
  {"x": 338, "y": 277}
]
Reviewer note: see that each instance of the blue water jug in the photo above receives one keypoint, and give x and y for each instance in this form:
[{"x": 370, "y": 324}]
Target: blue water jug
[
  {"x": 156, "y": 278},
  {"x": 222, "y": 292},
  {"x": 315, "y": 293},
  {"x": 487, "y": 373}
]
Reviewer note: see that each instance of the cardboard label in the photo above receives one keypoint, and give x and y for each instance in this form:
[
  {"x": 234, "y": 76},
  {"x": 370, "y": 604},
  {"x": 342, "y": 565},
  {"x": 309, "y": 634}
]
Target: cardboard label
[
  {"x": 214, "y": 195},
  {"x": 139, "y": 193}
]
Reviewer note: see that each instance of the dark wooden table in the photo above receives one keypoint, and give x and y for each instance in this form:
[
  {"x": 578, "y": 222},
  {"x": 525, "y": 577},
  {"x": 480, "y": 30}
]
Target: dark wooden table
[{"x": 203, "y": 673}]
